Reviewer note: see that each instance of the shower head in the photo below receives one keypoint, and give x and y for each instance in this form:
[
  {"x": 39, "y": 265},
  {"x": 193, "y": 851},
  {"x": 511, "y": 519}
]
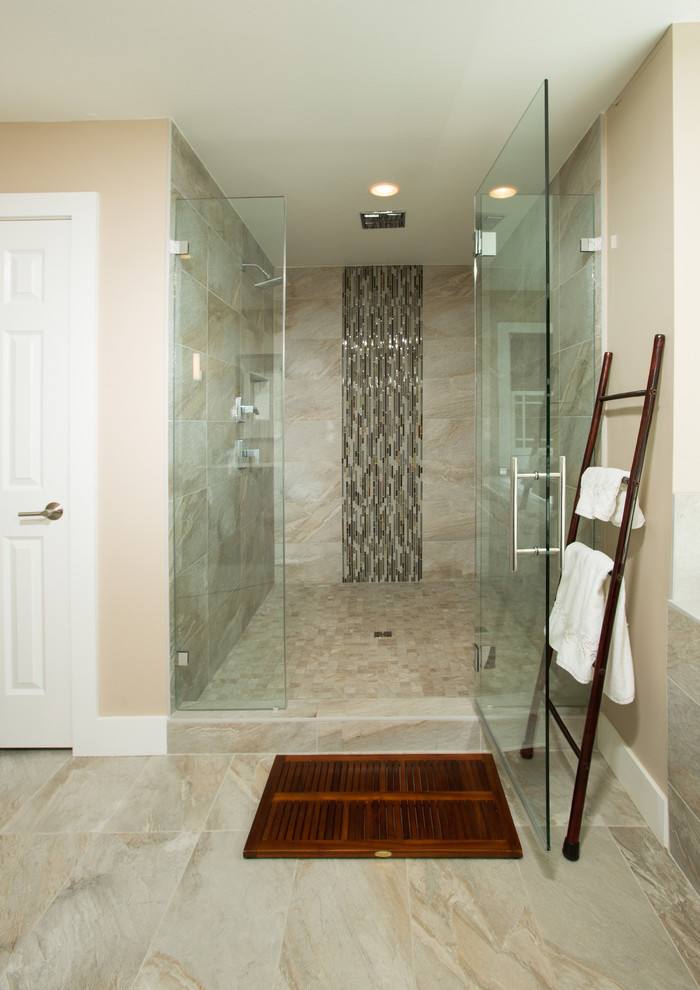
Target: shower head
[{"x": 270, "y": 281}]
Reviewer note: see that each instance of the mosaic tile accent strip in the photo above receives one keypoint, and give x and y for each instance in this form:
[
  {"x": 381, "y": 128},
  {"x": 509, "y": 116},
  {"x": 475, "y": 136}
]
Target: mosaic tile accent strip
[{"x": 382, "y": 422}]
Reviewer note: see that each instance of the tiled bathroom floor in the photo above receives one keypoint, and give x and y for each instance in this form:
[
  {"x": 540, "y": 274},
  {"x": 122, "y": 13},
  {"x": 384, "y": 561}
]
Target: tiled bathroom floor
[{"x": 127, "y": 872}]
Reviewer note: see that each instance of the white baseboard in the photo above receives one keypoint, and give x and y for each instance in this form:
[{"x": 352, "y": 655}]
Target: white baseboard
[
  {"x": 121, "y": 735},
  {"x": 650, "y": 800}
]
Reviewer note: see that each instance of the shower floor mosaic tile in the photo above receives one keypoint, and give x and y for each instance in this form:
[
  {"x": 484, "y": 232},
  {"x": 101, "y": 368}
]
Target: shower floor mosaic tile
[{"x": 333, "y": 652}]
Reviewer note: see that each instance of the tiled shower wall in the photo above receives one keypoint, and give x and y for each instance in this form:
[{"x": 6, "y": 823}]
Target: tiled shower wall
[
  {"x": 223, "y": 516},
  {"x": 684, "y": 689},
  {"x": 313, "y": 441}
]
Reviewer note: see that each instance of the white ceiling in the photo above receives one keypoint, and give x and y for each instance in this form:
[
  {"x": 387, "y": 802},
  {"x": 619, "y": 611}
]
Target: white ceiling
[{"x": 317, "y": 99}]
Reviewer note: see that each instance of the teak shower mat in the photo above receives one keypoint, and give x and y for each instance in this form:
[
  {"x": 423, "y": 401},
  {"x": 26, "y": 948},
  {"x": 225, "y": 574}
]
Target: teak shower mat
[{"x": 383, "y": 805}]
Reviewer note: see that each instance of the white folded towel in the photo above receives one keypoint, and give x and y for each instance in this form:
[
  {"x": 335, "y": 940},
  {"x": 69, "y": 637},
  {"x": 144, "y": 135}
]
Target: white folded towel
[
  {"x": 603, "y": 496},
  {"x": 577, "y": 617}
]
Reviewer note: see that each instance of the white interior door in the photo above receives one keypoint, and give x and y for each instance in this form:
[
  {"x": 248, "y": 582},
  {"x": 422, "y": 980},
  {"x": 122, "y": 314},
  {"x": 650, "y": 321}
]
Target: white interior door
[{"x": 35, "y": 675}]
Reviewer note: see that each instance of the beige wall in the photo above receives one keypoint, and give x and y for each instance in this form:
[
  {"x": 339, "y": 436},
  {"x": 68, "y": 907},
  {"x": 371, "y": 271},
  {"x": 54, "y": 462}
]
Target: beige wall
[
  {"x": 641, "y": 303},
  {"x": 127, "y": 164}
]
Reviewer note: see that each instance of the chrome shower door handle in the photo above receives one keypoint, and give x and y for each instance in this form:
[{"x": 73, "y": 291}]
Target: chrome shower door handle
[
  {"x": 52, "y": 511},
  {"x": 513, "y": 549},
  {"x": 513, "y": 537},
  {"x": 562, "y": 511}
]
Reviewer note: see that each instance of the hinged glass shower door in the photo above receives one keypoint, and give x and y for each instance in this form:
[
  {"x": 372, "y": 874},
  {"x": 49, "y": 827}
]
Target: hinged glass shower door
[
  {"x": 518, "y": 482},
  {"x": 228, "y": 427}
]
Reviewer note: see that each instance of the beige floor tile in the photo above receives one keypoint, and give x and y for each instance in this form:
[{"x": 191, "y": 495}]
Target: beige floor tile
[
  {"x": 240, "y": 792},
  {"x": 33, "y": 869},
  {"x": 171, "y": 794},
  {"x": 22, "y": 773},
  {"x": 224, "y": 926},
  {"x": 80, "y": 797},
  {"x": 348, "y": 927},
  {"x": 597, "y": 929},
  {"x": 473, "y": 927},
  {"x": 98, "y": 929}
]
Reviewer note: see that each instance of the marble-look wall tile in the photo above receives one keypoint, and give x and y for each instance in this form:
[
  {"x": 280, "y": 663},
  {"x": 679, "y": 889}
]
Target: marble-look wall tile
[
  {"x": 192, "y": 600},
  {"x": 191, "y": 313},
  {"x": 675, "y": 901},
  {"x": 322, "y": 483},
  {"x": 233, "y": 911},
  {"x": 128, "y": 878},
  {"x": 348, "y": 927},
  {"x": 312, "y": 399},
  {"x": 315, "y": 563},
  {"x": 190, "y": 457},
  {"x": 684, "y": 651},
  {"x": 684, "y": 746},
  {"x": 314, "y": 283},
  {"x": 249, "y": 736},
  {"x": 320, "y": 361},
  {"x": 684, "y": 839},
  {"x": 378, "y": 736},
  {"x": 189, "y": 225},
  {"x": 686, "y": 542},
  {"x": 313, "y": 319},
  {"x": 313, "y": 522},
  {"x": 449, "y": 398}
]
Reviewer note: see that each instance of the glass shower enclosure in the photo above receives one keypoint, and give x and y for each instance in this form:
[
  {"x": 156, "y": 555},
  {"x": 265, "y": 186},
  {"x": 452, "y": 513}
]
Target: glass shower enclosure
[
  {"x": 227, "y": 462},
  {"x": 525, "y": 238}
]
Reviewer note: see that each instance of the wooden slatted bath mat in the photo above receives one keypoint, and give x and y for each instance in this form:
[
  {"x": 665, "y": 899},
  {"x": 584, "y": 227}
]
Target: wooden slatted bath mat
[{"x": 383, "y": 805}]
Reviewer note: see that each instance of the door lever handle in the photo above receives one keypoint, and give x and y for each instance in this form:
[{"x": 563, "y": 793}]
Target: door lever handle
[{"x": 52, "y": 511}]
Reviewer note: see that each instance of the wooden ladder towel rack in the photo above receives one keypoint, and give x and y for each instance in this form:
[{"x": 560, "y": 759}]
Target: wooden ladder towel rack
[{"x": 571, "y": 848}]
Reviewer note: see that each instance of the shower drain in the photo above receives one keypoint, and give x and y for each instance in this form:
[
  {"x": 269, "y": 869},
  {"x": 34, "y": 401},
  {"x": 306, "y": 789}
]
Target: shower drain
[{"x": 378, "y": 635}]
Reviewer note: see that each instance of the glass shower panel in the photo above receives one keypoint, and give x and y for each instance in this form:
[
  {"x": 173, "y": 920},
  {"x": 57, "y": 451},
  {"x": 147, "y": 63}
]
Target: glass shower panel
[
  {"x": 227, "y": 454},
  {"x": 514, "y": 421}
]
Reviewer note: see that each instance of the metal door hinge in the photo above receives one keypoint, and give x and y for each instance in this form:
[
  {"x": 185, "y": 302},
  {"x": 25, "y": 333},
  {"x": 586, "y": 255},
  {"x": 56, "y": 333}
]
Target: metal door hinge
[
  {"x": 484, "y": 243},
  {"x": 182, "y": 658},
  {"x": 591, "y": 244},
  {"x": 180, "y": 247}
]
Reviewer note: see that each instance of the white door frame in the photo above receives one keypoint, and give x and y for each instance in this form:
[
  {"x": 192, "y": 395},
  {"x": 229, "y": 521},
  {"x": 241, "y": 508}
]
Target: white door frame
[{"x": 93, "y": 734}]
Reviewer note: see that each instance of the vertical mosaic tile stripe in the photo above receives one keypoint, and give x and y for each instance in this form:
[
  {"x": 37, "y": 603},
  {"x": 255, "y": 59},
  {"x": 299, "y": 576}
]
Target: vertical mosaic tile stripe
[{"x": 382, "y": 423}]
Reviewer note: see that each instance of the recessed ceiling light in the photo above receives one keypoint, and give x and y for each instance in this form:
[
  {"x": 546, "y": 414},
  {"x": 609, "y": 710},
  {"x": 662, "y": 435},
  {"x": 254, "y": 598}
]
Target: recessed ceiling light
[
  {"x": 502, "y": 192},
  {"x": 384, "y": 189}
]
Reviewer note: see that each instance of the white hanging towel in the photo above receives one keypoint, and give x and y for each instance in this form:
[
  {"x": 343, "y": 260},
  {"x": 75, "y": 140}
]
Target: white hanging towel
[
  {"x": 603, "y": 496},
  {"x": 577, "y": 618}
]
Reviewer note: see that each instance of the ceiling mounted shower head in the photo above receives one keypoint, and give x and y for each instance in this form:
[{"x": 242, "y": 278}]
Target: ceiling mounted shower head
[{"x": 383, "y": 220}]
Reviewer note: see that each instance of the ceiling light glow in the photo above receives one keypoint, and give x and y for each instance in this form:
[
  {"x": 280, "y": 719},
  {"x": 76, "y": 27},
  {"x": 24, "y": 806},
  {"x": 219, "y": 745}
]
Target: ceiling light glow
[
  {"x": 384, "y": 189},
  {"x": 502, "y": 192}
]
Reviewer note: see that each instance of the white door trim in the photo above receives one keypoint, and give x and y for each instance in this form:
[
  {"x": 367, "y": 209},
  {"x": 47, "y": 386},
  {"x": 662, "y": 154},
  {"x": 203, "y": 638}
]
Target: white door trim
[{"x": 93, "y": 735}]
